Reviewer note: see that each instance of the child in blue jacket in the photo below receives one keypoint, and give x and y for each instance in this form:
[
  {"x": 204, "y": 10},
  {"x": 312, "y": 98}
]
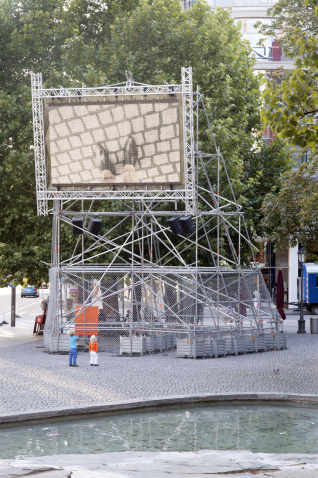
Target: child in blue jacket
[{"x": 73, "y": 348}]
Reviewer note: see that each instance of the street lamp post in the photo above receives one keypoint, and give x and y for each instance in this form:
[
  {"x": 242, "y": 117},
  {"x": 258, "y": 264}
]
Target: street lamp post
[
  {"x": 301, "y": 321},
  {"x": 13, "y": 304}
]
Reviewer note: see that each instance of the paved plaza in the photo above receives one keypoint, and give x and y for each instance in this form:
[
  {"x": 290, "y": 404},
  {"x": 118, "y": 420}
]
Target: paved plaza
[
  {"x": 202, "y": 464},
  {"x": 33, "y": 380}
]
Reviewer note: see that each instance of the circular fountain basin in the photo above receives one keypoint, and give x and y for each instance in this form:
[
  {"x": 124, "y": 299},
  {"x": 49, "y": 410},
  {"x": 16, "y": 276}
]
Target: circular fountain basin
[{"x": 258, "y": 427}]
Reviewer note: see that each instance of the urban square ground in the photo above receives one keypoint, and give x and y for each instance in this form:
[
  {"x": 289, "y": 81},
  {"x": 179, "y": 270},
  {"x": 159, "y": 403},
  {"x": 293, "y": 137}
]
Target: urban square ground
[{"x": 32, "y": 380}]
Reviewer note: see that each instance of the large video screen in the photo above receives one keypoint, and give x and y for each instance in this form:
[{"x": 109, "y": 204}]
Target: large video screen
[{"x": 127, "y": 143}]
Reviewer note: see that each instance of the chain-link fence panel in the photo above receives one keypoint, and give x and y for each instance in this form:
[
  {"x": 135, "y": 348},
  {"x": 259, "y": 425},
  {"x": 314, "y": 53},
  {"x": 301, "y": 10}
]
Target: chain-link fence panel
[{"x": 160, "y": 311}]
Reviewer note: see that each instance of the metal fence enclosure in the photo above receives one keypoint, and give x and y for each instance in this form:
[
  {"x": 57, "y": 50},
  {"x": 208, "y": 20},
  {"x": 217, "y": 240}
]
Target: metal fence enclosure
[{"x": 157, "y": 311}]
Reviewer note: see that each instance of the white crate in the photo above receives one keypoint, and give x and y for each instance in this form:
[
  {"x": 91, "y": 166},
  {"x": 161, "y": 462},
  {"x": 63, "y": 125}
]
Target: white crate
[
  {"x": 191, "y": 348},
  {"x": 259, "y": 343},
  {"x": 280, "y": 341},
  {"x": 183, "y": 348},
  {"x": 208, "y": 350},
  {"x": 135, "y": 345},
  {"x": 218, "y": 347},
  {"x": 59, "y": 343},
  {"x": 198, "y": 348},
  {"x": 249, "y": 342},
  {"x": 150, "y": 344},
  {"x": 239, "y": 345},
  {"x": 229, "y": 345},
  {"x": 269, "y": 341}
]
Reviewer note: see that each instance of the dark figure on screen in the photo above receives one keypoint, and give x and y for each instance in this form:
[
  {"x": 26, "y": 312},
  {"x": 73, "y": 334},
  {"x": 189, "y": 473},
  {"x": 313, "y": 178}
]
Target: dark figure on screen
[{"x": 117, "y": 167}]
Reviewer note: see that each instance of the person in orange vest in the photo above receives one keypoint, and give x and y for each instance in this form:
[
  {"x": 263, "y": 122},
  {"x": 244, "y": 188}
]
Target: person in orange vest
[{"x": 93, "y": 351}]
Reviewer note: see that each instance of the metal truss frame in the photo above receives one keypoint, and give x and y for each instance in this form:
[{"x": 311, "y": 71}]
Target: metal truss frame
[
  {"x": 188, "y": 140},
  {"x": 120, "y": 89},
  {"x": 39, "y": 146},
  {"x": 145, "y": 253},
  {"x": 137, "y": 261},
  {"x": 123, "y": 90}
]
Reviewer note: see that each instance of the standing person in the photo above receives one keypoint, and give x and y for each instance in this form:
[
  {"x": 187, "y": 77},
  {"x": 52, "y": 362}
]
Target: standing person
[
  {"x": 273, "y": 290},
  {"x": 93, "y": 351},
  {"x": 73, "y": 348},
  {"x": 256, "y": 299},
  {"x": 127, "y": 284}
]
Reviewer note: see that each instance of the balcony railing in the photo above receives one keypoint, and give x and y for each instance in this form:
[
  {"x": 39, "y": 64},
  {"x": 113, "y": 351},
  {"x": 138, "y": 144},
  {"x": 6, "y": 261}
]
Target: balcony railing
[
  {"x": 241, "y": 3},
  {"x": 231, "y": 3}
]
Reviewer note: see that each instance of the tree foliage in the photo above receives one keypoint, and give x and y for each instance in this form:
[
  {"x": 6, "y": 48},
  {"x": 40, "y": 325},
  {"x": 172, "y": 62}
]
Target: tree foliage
[
  {"x": 290, "y": 108},
  {"x": 33, "y": 37},
  {"x": 288, "y": 15},
  {"x": 155, "y": 39},
  {"x": 91, "y": 42},
  {"x": 261, "y": 176},
  {"x": 292, "y": 213},
  {"x": 291, "y": 98}
]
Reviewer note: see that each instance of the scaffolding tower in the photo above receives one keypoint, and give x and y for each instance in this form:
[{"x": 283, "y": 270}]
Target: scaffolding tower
[{"x": 137, "y": 286}]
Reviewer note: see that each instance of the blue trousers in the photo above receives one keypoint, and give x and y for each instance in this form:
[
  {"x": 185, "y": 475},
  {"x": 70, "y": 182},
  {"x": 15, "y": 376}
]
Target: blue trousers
[{"x": 72, "y": 356}]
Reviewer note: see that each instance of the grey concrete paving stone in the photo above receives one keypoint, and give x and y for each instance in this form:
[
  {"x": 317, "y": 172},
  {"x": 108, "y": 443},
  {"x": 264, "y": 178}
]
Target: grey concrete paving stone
[
  {"x": 166, "y": 464},
  {"x": 32, "y": 381}
]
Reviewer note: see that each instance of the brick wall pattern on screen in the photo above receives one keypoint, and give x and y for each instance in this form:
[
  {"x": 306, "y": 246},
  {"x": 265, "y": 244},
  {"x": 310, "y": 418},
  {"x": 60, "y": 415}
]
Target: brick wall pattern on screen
[{"x": 80, "y": 135}]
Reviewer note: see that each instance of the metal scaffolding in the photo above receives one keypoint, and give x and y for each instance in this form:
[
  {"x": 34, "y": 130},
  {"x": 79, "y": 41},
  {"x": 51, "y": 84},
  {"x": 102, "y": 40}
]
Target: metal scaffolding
[{"x": 137, "y": 286}]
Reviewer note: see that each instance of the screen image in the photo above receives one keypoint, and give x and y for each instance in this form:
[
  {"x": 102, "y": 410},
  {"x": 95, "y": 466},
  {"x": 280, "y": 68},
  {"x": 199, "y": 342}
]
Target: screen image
[{"x": 128, "y": 142}]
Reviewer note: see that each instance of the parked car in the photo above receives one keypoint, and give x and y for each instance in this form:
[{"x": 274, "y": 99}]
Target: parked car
[
  {"x": 45, "y": 285},
  {"x": 29, "y": 291}
]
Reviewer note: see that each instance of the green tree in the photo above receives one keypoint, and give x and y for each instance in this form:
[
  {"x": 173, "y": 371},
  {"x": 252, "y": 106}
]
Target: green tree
[
  {"x": 262, "y": 176},
  {"x": 157, "y": 38},
  {"x": 25, "y": 238},
  {"x": 292, "y": 214},
  {"x": 286, "y": 16},
  {"x": 29, "y": 40},
  {"x": 95, "y": 42},
  {"x": 290, "y": 109},
  {"x": 34, "y": 35},
  {"x": 291, "y": 98}
]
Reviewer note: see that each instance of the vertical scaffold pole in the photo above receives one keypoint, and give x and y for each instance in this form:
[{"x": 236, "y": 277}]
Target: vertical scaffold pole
[
  {"x": 218, "y": 240},
  {"x": 188, "y": 139},
  {"x": 39, "y": 144}
]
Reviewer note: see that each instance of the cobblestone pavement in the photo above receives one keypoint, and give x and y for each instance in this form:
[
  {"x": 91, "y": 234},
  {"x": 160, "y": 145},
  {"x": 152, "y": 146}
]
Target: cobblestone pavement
[{"x": 31, "y": 379}]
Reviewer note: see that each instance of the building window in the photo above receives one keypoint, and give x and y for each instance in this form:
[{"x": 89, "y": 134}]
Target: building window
[
  {"x": 270, "y": 50},
  {"x": 268, "y": 136},
  {"x": 186, "y": 4},
  {"x": 299, "y": 159}
]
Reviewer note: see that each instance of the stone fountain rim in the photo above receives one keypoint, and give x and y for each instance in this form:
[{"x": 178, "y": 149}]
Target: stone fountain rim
[{"x": 144, "y": 404}]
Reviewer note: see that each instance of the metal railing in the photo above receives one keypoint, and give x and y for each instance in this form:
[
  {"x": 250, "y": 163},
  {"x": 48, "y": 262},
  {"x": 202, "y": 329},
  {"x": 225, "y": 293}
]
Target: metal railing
[{"x": 241, "y": 3}]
